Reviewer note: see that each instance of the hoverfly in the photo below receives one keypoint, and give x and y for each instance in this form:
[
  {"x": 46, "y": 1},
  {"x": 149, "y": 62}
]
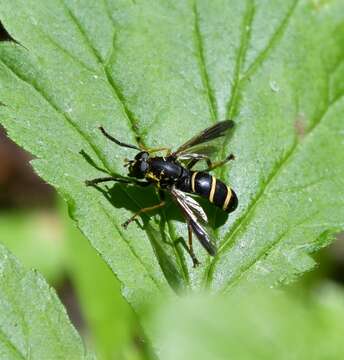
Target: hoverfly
[{"x": 173, "y": 173}]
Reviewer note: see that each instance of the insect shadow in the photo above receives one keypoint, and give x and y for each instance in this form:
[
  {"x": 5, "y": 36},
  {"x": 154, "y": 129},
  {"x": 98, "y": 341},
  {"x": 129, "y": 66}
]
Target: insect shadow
[{"x": 132, "y": 198}]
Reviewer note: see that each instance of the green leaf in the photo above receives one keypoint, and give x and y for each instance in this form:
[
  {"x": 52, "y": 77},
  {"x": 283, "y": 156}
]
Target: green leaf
[
  {"x": 165, "y": 70},
  {"x": 33, "y": 323},
  {"x": 252, "y": 325}
]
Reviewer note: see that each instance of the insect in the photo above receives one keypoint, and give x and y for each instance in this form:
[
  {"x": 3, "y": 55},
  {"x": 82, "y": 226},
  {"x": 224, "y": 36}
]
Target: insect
[{"x": 174, "y": 173}]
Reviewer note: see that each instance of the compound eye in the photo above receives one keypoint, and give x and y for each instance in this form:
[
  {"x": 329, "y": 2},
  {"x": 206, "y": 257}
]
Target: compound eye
[
  {"x": 144, "y": 156},
  {"x": 143, "y": 166}
]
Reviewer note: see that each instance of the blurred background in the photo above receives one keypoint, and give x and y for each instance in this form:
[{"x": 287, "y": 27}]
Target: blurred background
[{"x": 35, "y": 226}]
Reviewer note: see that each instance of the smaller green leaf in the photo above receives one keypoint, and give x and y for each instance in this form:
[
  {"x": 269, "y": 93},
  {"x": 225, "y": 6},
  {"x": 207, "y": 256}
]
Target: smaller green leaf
[
  {"x": 33, "y": 322},
  {"x": 252, "y": 325}
]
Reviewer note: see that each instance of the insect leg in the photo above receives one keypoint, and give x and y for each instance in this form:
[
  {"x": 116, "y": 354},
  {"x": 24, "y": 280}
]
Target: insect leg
[
  {"x": 196, "y": 158},
  {"x": 110, "y": 137},
  {"x": 152, "y": 150},
  {"x": 141, "y": 145},
  {"x": 191, "y": 252},
  {"x": 192, "y": 163},
  {"x": 161, "y": 195},
  {"x": 143, "y": 210},
  {"x": 111, "y": 178},
  {"x": 212, "y": 166}
]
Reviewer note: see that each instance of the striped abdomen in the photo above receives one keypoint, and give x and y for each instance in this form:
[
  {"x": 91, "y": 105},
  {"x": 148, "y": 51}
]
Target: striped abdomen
[{"x": 206, "y": 185}]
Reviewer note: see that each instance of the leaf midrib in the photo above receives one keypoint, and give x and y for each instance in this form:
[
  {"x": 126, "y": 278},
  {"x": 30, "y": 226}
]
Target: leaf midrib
[{"x": 12, "y": 345}]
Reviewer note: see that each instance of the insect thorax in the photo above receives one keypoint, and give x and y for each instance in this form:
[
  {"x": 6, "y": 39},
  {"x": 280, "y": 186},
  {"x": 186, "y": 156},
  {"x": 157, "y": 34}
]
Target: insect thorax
[{"x": 163, "y": 172}]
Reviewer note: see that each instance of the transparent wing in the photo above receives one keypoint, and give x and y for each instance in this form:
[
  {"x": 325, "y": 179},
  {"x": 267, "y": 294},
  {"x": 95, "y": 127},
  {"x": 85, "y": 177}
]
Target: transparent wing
[
  {"x": 192, "y": 205},
  {"x": 196, "y": 217},
  {"x": 209, "y": 134},
  {"x": 198, "y": 152}
]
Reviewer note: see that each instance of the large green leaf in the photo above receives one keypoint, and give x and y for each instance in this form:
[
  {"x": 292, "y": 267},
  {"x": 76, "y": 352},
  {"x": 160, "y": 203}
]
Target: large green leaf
[
  {"x": 33, "y": 323},
  {"x": 165, "y": 70}
]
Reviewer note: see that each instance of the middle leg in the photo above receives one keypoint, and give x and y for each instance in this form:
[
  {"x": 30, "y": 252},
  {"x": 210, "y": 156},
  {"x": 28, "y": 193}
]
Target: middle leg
[{"x": 143, "y": 210}]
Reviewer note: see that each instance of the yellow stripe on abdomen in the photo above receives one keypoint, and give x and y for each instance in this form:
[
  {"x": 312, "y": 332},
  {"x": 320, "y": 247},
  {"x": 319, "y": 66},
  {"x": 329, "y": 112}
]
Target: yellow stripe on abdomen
[
  {"x": 193, "y": 177},
  {"x": 212, "y": 189},
  {"x": 228, "y": 198}
]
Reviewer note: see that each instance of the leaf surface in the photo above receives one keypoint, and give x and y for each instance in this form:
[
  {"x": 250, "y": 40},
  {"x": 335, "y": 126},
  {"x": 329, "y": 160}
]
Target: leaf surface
[
  {"x": 33, "y": 323},
  {"x": 165, "y": 70}
]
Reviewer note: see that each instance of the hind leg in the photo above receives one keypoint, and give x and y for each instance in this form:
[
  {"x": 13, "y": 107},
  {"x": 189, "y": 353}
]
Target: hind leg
[
  {"x": 191, "y": 252},
  {"x": 214, "y": 165}
]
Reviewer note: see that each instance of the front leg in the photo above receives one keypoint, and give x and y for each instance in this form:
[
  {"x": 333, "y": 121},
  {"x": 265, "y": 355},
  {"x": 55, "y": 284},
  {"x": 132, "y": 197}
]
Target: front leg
[
  {"x": 120, "y": 180},
  {"x": 152, "y": 150}
]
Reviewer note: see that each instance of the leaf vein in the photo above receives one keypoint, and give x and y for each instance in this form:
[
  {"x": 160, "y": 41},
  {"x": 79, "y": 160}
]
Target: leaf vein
[
  {"x": 65, "y": 51},
  {"x": 130, "y": 116},
  {"x": 244, "y": 43},
  {"x": 273, "y": 41},
  {"x": 85, "y": 137},
  {"x": 12, "y": 344},
  {"x": 81, "y": 31},
  {"x": 118, "y": 96},
  {"x": 201, "y": 63},
  {"x": 229, "y": 238},
  {"x": 232, "y": 103},
  {"x": 68, "y": 119},
  {"x": 265, "y": 252},
  {"x": 115, "y": 89}
]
